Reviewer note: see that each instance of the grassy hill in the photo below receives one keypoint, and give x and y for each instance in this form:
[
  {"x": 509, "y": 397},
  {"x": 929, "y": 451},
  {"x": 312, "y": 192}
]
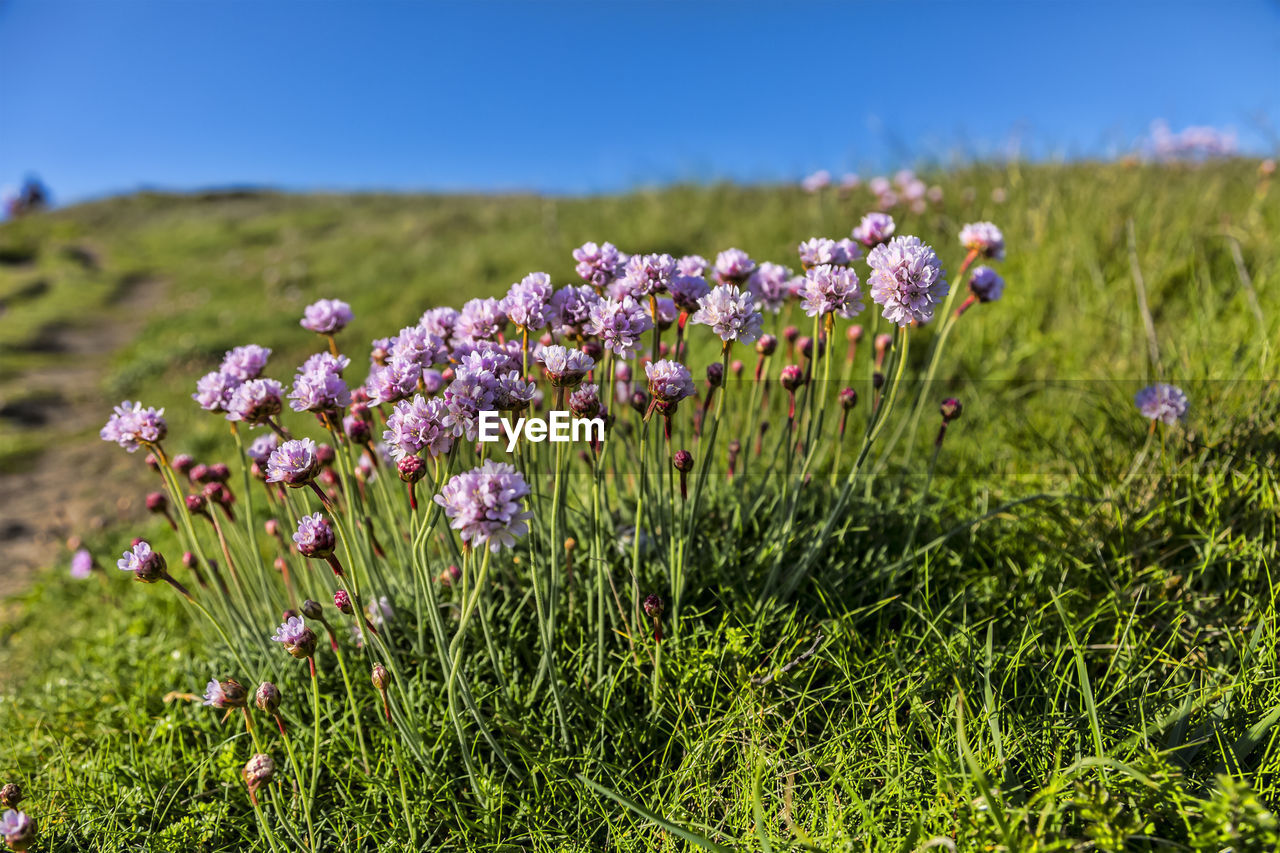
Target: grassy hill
[{"x": 1090, "y": 662}]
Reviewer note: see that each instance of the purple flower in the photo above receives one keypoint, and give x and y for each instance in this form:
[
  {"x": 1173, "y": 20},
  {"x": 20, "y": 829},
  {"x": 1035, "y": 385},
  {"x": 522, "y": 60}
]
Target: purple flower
[
  {"x": 734, "y": 266},
  {"x": 480, "y": 319},
  {"x": 261, "y": 448},
  {"x": 297, "y": 639},
  {"x": 224, "y": 694},
  {"x": 488, "y": 356},
  {"x": 687, "y": 288},
  {"x": 694, "y": 266},
  {"x": 467, "y": 396},
  {"x": 439, "y": 322},
  {"x": 647, "y": 275},
  {"x": 17, "y": 829},
  {"x": 832, "y": 290},
  {"x": 875, "y": 228},
  {"x": 565, "y": 367},
  {"x": 416, "y": 425},
  {"x": 528, "y": 302},
  {"x": 325, "y": 361},
  {"x": 315, "y": 537},
  {"x": 513, "y": 394},
  {"x": 392, "y": 383},
  {"x": 132, "y": 425},
  {"x": 380, "y": 350},
  {"x": 669, "y": 381},
  {"x": 983, "y": 238},
  {"x": 769, "y": 286},
  {"x": 82, "y": 564},
  {"x": 985, "y": 284},
  {"x": 1162, "y": 402},
  {"x": 598, "y": 265},
  {"x": 730, "y": 313},
  {"x": 256, "y": 401},
  {"x": 906, "y": 280},
  {"x": 246, "y": 362},
  {"x": 293, "y": 463},
  {"x": 319, "y": 390},
  {"x": 820, "y": 250},
  {"x": 483, "y": 505},
  {"x": 326, "y": 316},
  {"x": 415, "y": 347},
  {"x": 667, "y": 313},
  {"x": 819, "y": 180},
  {"x": 571, "y": 306},
  {"x": 584, "y": 402},
  {"x": 213, "y": 391},
  {"x": 147, "y": 565},
  {"x": 619, "y": 324}
]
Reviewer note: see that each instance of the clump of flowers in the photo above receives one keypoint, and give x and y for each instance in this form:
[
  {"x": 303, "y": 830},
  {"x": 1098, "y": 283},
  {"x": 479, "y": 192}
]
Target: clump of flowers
[
  {"x": 874, "y": 229},
  {"x": 294, "y": 463},
  {"x": 619, "y": 324}
]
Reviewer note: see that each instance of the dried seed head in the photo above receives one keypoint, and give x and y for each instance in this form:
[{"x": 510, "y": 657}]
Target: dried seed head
[{"x": 10, "y": 795}]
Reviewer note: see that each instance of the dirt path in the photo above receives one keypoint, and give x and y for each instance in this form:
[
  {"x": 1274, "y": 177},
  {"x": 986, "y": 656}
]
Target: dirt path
[{"x": 66, "y": 492}]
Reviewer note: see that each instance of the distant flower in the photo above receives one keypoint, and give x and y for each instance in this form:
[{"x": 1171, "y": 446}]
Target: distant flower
[
  {"x": 598, "y": 265},
  {"x": 326, "y": 316},
  {"x": 1162, "y": 402},
  {"x": 571, "y": 306},
  {"x": 379, "y": 611},
  {"x": 832, "y": 290},
  {"x": 245, "y": 362},
  {"x": 985, "y": 284},
  {"x": 315, "y": 537},
  {"x": 224, "y": 694},
  {"x": 256, "y": 401},
  {"x": 213, "y": 391},
  {"x": 820, "y": 250},
  {"x": 565, "y": 367},
  {"x": 819, "y": 180},
  {"x": 81, "y": 564},
  {"x": 417, "y": 425},
  {"x": 669, "y": 381},
  {"x": 297, "y": 639},
  {"x": 293, "y": 463},
  {"x": 133, "y": 425},
  {"x": 850, "y": 181},
  {"x": 874, "y": 229},
  {"x": 687, "y": 286},
  {"x": 983, "y": 238},
  {"x": 734, "y": 266},
  {"x": 906, "y": 280},
  {"x": 692, "y": 265},
  {"x": 730, "y": 313},
  {"x": 145, "y": 564},
  {"x": 619, "y": 324},
  {"x": 483, "y": 505},
  {"x": 260, "y": 450},
  {"x": 769, "y": 286},
  {"x": 528, "y": 302},
  {"x": 480, "y": 319},
  {"x": 647, "y": 275}
]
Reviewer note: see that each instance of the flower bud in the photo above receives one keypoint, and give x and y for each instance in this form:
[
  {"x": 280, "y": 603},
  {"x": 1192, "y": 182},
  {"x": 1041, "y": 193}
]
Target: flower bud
[
  {"x": 683, "y": 461},
  {"x": 196, "y": 504},
  {"x": 640, "y": 401},
  {"x": 182, "y": 463},
  {"x": 805, "y": 346},
  {"x": 152, "y": 462},
  {"x": 653, "y": 605},
  {"x": 766, "y": 345},
  {"x": 594, "y": 350},
  {"x": 622, "y": 372},
  {"x": 312, "y": 609},
  {"x": 325, "y": 453},
  {"x": 189, "y": 560},
  {"x": 715, "y": 374},
  {"x": 10, "y": 795},
  {"x": 848, "y": 398},
  {"x": 411, "y": 468},
  {"x": 950, "y": 409},
  {"x": 157, "y": 502},
  {"x": 218, "y": 493},
  {"x": 380, "y": 677},
  {"x": 219, "y": 472},
  {"x": 451, "y": 575},
  {"x": 342, "y": 601},
  {"x": 272, "y": 527},
  {"x": 791, "y": 333},
  {"x": 199, "y": 473},
  {"x": 358, "y": 431},
  {"x": 791, "y": 377},
  {"x": 736, "y": 367},
  {"x": 877, "y": 380},
  {"x": 267, "y": 697},
  {"x": 854, "y": 334}
]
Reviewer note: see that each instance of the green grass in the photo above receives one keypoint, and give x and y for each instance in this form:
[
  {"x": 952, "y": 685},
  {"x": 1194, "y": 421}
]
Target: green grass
[{"x": 1086, "y": 657}]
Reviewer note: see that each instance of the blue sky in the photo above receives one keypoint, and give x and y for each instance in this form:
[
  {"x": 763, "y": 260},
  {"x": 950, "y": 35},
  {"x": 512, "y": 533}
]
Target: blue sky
[{"x": 101, "y": 97}]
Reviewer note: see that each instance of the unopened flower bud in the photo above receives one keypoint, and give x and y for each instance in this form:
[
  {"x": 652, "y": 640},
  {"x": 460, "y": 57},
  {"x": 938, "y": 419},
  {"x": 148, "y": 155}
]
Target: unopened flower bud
[
  {"x": 877, "y": 380},
  {"x": 715, "y": 374},
  {"x": 380, "y": 677},
  {"x": 683, "y": 461},
  {"x": 805, "y": 346},
  {"x": 196, "y": 504},
  {"x": 342, "y": 601},
  {"x": 766, "y": 345},
  {"x": 267, "y": 697},
  {"x": 736, "y": 367},
  {"x": 152, "y": 462},
  {"x": 219, "y": 472},
  {"x": 622, "y": 372},
  {"x": 950, "y": 409},
  {"x": 791, "y": 333},
  {"x": 272, "y": 527},
  {"x": 640, "y": 401},
  {"x": 325, "y": 453},
  {"x": 189, "y": 560},
  {"x": 359, "y": 431},
  {"x": 183, "y": 463},
  {"x": 594, "y": 350},
  {"x": 10, "y": 795},
  {"x": 411, "y": 468},
  {"x": 157, "y": 502},
  {"x": 312, "y": 610},
  {"x": 848, "y": 398},
  {"x": 653, "y": 605},
  {"x": 791, "y": 377},
  {"x": 854, "y": 334}
]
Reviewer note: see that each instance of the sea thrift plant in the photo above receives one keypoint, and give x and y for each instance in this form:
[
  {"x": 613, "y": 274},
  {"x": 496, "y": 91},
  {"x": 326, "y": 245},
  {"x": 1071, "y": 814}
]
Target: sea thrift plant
[
  {"x": 906, "y": 280},
  {"x": 730, "y": 313},
  {"x": 1162, "y": 403},
  {"x": 326, "y": 316},
  {"x": 484, "y": 505}
]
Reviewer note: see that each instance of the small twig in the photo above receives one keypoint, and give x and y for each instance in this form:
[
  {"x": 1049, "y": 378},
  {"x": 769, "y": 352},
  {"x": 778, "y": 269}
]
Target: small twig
[{"x": 792, "y": 664}]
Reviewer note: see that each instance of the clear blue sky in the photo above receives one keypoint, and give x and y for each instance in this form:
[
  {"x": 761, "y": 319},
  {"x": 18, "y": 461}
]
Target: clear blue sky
[{"x": 100, "y": 97}]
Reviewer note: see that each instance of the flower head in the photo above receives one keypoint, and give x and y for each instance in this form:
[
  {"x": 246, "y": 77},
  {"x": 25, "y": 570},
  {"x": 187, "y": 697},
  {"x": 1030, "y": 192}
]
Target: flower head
[
  {"x": 417, "y": 425},
  {"x": 326, "y": 316},
  {"x": 315, "y": 537},
  {"x": 906, "y": 280},
  {"x": 874, "y": 229},
  {"x": 17, "y": 829},
  {"x": 730, "y": 313},
  {"x": 416, "y": 349},
  {"x": 256, "y": 401},
  {"x": 261, "y": 448},
  {"x": 297, "y": 639},
  {"x": 734, "y": 266},
  {"x": 565, "y": 367},
  {"x": 985, "y": 284},
  {"x": 1162, "y": 402},
  {"x": 480, "y": 319},
  {"x": 132, "y": 425},
  {"x": 687, "y": 286},
  {"x": 392, "y": 383},
  {"x": 598, "y": 265},
  {"x": 831, "y": 290},
  {"x": 483, "y": 505},
  {"x": 983, "y": 238},
  {"x": 647, "y": 275},
  {"x": 571, "y": 306},
  {"x": 769, "y": 285},
  {"x": 320, "y": 389},
  {"x": 619, "y": 324},
  {"x": 147, "y": 565},
  {"x": 245, "y": 362},
  {"x": 294, "y": 463},
  {"x": 821, "y": 250},
  {"x": 213, "y": 391},
  {"x": 439, "y": 321},
  {"x": 528, "y": 302},
  {"x": 469, "y": 394},
  {"x": 584, "y": 402},
  {"x": 81, "y": 564},
  {"x": 669, "y": 381},
  {"x": 225, "y": 694}
]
